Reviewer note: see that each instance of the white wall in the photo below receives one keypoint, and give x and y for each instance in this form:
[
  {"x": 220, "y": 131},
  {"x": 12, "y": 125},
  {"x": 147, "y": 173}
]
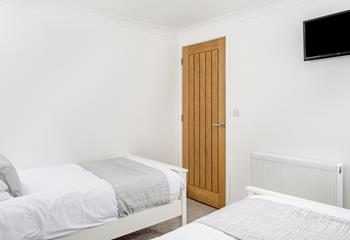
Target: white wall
[
  {"x": 287, "y": 106},
  {"x": 77, "y": 87},
  {"x": 118, "y": 89}
]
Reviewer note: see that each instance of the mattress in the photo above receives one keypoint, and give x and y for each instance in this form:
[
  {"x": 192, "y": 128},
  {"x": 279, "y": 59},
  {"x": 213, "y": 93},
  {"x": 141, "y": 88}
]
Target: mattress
[
  {"x": 199, "y": 231},
  {"x": 60, "y": 200}
]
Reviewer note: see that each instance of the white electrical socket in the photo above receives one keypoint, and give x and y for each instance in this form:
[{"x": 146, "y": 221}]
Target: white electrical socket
[{"x": 236, "y": 112}]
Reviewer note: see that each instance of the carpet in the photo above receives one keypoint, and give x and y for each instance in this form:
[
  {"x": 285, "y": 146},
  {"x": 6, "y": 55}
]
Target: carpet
[{"x": 195, "y": 210}]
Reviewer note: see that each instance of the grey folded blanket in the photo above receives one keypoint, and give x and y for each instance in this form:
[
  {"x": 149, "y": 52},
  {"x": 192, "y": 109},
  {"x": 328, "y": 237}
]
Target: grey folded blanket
[
  {"x": 257, "y": 219},
  {"x": 137, "y": 187}
]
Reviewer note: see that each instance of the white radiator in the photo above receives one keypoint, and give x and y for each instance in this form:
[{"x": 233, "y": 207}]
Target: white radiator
[{"x": 297, "y": 177}]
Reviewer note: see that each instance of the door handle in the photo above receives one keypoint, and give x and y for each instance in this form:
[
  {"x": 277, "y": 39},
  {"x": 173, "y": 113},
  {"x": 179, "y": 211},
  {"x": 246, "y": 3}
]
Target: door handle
[{"x": 219, "y": 125}]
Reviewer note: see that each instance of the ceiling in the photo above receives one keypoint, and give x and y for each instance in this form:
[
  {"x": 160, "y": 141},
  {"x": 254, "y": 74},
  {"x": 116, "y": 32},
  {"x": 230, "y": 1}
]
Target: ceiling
[{"x": 174, "y": 14}]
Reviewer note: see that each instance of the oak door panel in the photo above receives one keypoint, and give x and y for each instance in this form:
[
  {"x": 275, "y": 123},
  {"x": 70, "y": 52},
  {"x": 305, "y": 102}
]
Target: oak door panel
[{"x": 204, "y": 136}]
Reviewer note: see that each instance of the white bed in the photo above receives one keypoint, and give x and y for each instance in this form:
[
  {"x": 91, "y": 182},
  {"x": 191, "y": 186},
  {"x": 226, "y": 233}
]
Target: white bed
[
  {"x": 203, "y": 232},
  {"x": 299, "y": 183},
  {"x": 62, "y": 200}
]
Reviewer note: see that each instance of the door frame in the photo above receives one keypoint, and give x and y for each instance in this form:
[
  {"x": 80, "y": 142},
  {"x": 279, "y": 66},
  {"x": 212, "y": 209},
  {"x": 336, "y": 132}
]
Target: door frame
[{"x": 228, "y": 107}]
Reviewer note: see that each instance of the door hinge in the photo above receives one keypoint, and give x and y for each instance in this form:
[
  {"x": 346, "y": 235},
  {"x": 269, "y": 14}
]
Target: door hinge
[
  {"x": 182, "y": 61},
  {"x": 182, "y": 118}
]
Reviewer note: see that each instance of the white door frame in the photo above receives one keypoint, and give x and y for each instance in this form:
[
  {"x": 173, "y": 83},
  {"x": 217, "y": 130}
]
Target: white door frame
[{"x": 228, "y": 107}]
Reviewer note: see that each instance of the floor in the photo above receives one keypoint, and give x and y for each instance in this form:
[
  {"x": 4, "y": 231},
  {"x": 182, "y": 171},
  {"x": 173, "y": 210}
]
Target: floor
[{"x": 195, "y": 210}]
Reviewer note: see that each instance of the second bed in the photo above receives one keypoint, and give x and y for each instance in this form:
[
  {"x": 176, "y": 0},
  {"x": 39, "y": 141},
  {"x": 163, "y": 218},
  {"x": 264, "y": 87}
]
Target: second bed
[{"x": 89, "y": 201}]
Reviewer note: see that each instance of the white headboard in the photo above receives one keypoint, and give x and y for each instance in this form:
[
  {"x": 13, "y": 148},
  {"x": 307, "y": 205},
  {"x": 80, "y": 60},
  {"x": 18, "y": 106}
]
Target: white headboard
[{"x": 298, "y": 177}]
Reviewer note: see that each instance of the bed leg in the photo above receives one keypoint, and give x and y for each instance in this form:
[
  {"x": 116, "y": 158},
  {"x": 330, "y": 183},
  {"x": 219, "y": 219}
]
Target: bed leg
[{"x": 184, "y": 201}]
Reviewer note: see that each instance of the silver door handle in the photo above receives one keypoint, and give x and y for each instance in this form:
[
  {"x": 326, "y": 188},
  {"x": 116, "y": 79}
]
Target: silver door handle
[{"x": 219, "y": 125}]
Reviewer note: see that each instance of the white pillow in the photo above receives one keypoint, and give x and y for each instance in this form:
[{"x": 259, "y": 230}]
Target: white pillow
[
  {"x": 4, "y": 193},
  {"x": 8, "y": 174},
  {"x": 3, "y": 186}
]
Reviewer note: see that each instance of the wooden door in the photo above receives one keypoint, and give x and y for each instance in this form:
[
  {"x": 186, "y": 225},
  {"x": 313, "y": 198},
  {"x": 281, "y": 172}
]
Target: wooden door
[{"x": 204, "y": 118}]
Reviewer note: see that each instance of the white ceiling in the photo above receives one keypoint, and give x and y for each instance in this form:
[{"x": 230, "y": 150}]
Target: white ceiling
[{"x": 168, "y": 13}]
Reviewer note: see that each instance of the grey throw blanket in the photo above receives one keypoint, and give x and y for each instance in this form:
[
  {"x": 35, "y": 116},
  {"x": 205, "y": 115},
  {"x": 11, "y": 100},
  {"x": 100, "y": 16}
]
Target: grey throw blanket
[
  {"x": 257, "y": 219},
  {"x": 137, "y": 186}
]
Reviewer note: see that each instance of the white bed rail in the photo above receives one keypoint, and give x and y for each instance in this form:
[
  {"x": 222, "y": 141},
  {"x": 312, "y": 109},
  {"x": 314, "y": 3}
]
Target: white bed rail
[
  {"x": 298, "y": 177},
  {"x": 259, "y": 191},
  {"x": 155, "y": 163}
]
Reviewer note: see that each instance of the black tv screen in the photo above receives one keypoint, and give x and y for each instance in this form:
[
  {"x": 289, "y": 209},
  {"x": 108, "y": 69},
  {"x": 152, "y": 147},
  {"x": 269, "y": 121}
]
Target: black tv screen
[{"x": 327, "y": 36}]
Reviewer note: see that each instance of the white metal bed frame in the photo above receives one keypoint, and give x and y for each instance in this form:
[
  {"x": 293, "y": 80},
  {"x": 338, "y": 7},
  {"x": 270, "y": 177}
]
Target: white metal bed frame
[{"x": 140, "y": 220}]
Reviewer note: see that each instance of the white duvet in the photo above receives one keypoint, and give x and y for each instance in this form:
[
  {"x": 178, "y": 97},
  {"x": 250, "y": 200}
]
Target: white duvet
[
  {"x": 60, "y": 200},
  {"x": 199, "y": 231},
  {"x": 57, "y": 200}
]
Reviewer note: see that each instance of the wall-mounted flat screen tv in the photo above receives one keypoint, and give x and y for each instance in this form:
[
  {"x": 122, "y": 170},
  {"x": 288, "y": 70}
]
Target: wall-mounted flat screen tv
[{"x": 327, "y": 36}]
